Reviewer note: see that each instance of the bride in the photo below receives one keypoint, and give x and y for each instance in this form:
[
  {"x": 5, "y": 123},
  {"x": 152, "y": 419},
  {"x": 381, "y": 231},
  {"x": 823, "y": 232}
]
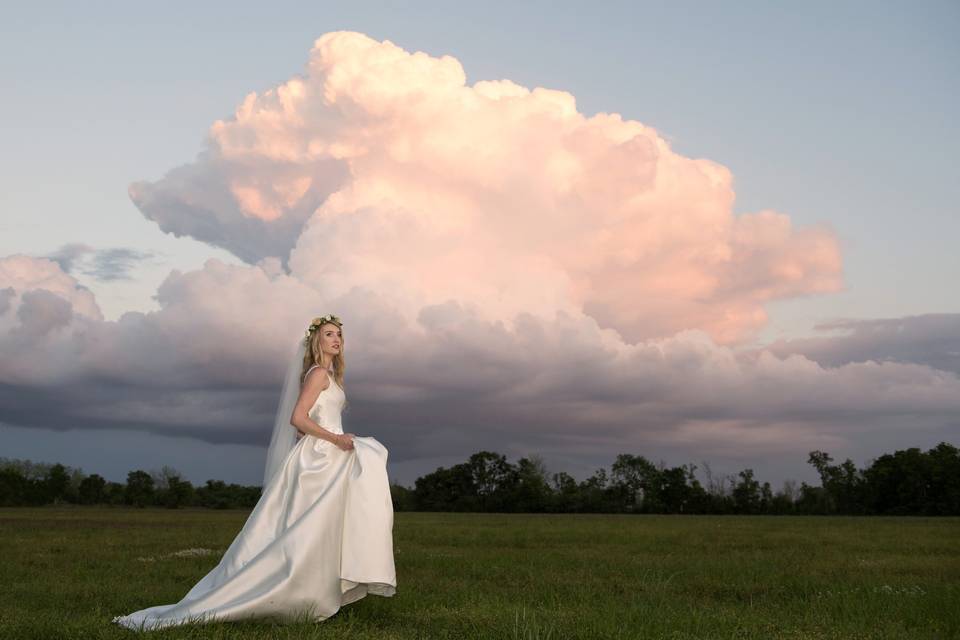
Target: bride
[{"x": 321, "y": 535}]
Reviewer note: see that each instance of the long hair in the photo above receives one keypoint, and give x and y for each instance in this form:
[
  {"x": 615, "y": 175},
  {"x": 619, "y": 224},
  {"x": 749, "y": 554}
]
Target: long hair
[{"x": 311, "y": 356}]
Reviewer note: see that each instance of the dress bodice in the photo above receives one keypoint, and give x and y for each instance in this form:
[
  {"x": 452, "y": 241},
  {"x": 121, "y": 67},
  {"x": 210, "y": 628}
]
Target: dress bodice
[{"x": 327, "y": 408}]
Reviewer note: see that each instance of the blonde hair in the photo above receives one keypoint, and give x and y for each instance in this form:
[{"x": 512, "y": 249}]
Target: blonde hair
[{"x": 312, "y": 353}]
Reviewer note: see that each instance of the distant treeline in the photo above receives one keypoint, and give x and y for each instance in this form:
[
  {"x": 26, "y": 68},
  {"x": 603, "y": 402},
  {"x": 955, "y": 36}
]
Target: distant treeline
[{"x": 909, "y": 482}]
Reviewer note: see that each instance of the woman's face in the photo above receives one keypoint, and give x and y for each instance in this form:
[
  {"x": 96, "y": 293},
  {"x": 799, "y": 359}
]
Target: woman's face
[{"x": 331, "y": 339}]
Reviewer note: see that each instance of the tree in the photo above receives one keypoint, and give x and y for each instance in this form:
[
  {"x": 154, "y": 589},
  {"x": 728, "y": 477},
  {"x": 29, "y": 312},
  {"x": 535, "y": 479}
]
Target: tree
[
  {"x": 530, "y": 491},
  {"x": 911, "y": 482},
  {"x": 718, "y": 490},
  {"x": 402, "y": 497},
  {"x": 450, "y": 489},
  {"x": 491, "y": 475},
  {"x": 676, "y": 495},
  {"x": 783, "y": 501},
  {"x": 638, "y": 481},
  {"x": 812, "y": 500},
  {"x": 944, "y": 490},
  {"x": 843, "y": 484},
  {"x": 56, "y": 483},
  {"x": 766, "y": 498},
  {"x": 171, "y": 490},
  {"x": 91, "y": 490},
  {"x": 566, "y": 493},
  {"x": 746, "y": 494},
  {"x": 179, "y": 493},
  {"x": 14, "y": 488},
  {"x": 594, "y": 492},
  {"x": 139, "y": 491}
]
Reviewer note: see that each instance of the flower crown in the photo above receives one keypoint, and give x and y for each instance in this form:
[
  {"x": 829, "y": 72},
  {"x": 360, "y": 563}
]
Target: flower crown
[{"x": 316, "y": 323}]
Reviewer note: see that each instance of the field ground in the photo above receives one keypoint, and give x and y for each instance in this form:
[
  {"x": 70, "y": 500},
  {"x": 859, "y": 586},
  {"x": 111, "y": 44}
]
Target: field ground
[{"x": 66, "y": 571}]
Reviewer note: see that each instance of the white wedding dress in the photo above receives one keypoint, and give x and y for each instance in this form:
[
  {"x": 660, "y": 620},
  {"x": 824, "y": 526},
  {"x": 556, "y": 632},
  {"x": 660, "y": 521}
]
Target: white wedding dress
[{"x": 320, "y": 537}]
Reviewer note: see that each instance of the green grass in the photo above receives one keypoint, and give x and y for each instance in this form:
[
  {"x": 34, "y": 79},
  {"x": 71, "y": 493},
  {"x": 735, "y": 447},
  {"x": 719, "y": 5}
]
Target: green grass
[{"x": 66, "y": 572}]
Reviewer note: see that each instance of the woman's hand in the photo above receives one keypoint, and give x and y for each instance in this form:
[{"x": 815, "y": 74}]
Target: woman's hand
[{"x": 344, "y": 441}]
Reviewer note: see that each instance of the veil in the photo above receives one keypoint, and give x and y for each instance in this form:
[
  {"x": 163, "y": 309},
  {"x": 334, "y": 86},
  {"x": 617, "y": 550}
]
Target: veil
[{"x": 285, "y": 434}]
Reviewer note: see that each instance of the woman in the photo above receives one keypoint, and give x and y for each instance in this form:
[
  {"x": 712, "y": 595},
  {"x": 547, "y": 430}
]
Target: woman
[{"x": 321, "y": 535}]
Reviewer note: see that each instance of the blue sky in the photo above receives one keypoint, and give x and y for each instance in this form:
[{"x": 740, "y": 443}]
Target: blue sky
[{"x": 839, "y": 113}]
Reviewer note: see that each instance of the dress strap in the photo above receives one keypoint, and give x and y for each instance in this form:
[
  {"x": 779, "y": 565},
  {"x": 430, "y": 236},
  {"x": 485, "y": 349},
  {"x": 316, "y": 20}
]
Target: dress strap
[{"x": 314, "y": 367}]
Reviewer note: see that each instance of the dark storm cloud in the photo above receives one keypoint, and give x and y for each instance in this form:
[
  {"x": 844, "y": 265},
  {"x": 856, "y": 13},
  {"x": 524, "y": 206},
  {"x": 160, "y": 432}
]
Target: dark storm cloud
[
  {"x": 7, "y": 294},
  {"x": 208, "y": 364},
  {"x": 69, "y": 254},
  {"x": 931, "y": 339},
  {"x": 102, "y": 264},
  {"x": 115, "y": 264},
  {"x": 41, "y": 311}
]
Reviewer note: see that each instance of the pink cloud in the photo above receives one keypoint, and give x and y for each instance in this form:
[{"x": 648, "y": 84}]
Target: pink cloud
[
  {"x": 511, "y": 272},
  {"x": 384, "y": 169}
]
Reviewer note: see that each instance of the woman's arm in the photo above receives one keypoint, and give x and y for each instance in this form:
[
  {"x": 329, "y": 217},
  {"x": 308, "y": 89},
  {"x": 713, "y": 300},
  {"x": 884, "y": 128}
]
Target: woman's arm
[{"x": 316, "y": 381}]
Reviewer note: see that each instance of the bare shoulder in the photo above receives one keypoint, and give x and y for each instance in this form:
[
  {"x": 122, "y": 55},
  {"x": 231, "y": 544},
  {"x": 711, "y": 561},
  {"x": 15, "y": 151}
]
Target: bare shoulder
[{"x": 317, "y": 378}]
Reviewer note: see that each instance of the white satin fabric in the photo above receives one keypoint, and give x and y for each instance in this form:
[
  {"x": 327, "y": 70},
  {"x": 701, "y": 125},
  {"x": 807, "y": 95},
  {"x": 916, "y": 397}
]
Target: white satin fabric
[{"x": 320, "y": 537}]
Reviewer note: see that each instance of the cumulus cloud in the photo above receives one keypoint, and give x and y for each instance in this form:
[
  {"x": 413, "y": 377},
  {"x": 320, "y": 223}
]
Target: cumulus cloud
[
  {"x": 25, "y": 273},
  {"x": 384, "y": 169},
  {"x": 512, "y": 275}
]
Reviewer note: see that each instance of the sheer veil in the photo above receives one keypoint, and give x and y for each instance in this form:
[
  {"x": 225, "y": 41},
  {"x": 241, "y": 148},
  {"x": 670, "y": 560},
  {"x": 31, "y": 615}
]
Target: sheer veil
[{"x": 285, "y": 434}]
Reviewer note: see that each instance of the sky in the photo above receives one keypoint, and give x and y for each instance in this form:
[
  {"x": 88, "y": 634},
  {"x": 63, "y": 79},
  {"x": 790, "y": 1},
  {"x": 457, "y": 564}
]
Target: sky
[{"x": 689, "y": 231}]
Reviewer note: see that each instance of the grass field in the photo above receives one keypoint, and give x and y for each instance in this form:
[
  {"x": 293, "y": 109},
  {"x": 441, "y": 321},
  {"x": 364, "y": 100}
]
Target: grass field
[{"x": 67, "y": 571}]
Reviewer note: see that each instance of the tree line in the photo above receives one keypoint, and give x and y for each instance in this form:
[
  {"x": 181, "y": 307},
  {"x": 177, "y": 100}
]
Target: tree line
[{"x": 908, "y": 482}]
